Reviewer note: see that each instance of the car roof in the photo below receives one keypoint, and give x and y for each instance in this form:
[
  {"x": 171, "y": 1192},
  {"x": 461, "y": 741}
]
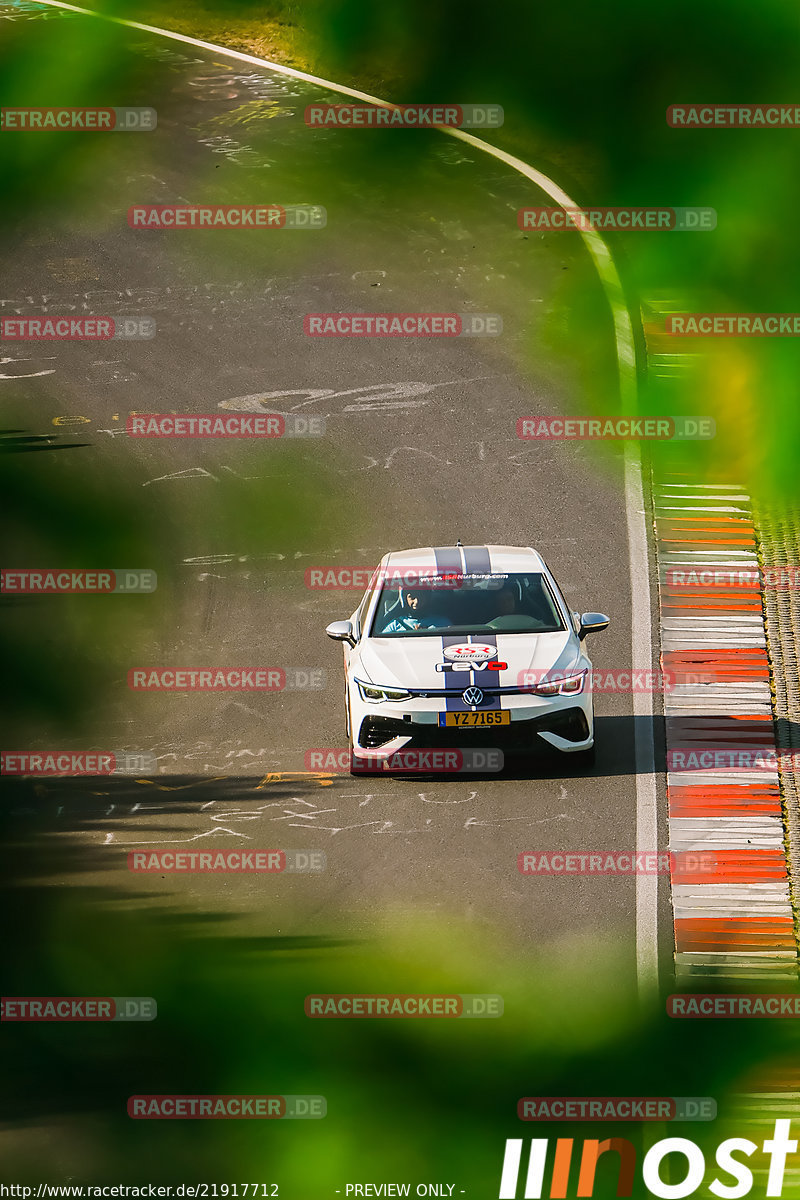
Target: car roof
[{"x": 470, "y": 560}]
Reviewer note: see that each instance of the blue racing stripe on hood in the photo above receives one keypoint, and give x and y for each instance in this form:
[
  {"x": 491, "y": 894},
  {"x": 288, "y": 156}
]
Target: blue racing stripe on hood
[
  {"x": 477, "y": 560},
  {"x": 470, "y": 678},
  {"x": 472, "y": 560},
  {"x": 448, "y": 560}
]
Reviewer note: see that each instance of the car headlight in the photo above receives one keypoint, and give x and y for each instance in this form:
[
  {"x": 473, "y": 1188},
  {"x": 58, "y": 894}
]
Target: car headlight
[
  {"x": 377, "y": 695},
  {"x": 546, "y": 689},
  {"x": 564, "y": 685}
]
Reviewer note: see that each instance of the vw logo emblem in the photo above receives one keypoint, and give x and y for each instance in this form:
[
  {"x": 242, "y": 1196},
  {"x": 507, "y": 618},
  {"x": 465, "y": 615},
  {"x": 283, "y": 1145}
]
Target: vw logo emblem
[{"x": 473, "y": 696}]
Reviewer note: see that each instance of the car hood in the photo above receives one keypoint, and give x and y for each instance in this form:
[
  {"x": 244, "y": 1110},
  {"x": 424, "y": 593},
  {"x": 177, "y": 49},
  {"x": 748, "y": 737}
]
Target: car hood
[{"x": 411, "y": 662}]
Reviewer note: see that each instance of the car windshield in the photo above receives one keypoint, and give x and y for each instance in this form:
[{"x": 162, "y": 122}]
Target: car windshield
[{"x": 462, "y": 604}]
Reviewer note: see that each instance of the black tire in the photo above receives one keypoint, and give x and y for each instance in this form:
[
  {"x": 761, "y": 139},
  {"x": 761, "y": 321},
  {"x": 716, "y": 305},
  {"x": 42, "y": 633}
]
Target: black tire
[{"x": 360, "y": 772}]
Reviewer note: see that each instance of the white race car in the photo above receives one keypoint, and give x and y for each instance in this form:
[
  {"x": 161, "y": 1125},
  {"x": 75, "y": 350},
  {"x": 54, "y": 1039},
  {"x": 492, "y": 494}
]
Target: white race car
[{"x": 465, "y": 646}]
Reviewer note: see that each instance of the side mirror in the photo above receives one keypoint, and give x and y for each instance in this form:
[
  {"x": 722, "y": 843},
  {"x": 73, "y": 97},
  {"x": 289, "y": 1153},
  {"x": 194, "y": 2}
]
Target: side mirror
[
  {"x": 341, "y": 631},
  {"x": 592, "y": 622}
]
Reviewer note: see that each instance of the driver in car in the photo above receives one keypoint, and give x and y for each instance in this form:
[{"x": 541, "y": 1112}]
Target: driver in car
[
  {"x": 534, "y": 611},
  {"x": 506, "y": 602},
  {"x": 415, "y": 613}
]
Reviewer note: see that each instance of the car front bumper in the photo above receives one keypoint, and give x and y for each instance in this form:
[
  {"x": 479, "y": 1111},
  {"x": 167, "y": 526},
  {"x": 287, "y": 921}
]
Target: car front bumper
[{"x": 562, "y": 723}]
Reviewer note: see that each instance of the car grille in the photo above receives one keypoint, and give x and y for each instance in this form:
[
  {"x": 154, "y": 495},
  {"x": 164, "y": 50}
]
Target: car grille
[{"x": 569, "y": 723}]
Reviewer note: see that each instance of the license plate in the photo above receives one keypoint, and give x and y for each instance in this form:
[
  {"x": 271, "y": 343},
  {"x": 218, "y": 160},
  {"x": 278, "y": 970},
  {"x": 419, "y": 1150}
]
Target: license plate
[{"x": 491, "y": 716}]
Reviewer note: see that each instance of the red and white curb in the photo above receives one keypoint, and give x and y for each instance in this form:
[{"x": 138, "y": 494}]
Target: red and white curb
[{"x": 733, "y": 921}]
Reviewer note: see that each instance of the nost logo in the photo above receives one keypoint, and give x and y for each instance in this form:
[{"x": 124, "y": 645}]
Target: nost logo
[{"x": 685, "y": 1177}]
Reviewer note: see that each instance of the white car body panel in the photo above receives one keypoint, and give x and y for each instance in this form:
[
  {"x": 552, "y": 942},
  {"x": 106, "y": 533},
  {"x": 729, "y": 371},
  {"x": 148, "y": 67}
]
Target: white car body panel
[{"x": 410, "y": 663}]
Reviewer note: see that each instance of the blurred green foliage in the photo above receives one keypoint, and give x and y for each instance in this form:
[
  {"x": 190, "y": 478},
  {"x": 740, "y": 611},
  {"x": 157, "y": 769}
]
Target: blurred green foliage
[
  {"x": 585, "y": 92},
  {"x": 585, "y": 89}
]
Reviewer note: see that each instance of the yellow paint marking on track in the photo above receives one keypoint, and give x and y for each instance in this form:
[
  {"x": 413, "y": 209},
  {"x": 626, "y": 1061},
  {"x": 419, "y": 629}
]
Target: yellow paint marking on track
[
  {"x": 321, "y": 778},
  {"x": 163, "y": 787}
]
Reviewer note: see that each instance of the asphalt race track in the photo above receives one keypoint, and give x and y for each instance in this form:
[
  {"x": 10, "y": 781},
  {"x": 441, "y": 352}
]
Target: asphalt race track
[{"x": 419, "y": 448}]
